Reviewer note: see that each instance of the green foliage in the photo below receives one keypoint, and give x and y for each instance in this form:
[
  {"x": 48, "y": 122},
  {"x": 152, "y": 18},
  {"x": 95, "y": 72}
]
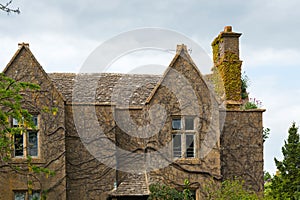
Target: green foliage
[
  {"x": 48, "y": 110},
  {"x": 11, "y": 107},
  {"x": 216, "y": 46},
  {"x": 164, "y": 192},
  {"x": 229, "y": 69},
  {"x": 37, "y": 169},
  {"x": 266, "y": 133},
  {"x": 44, "y": 195},
  {"x": 286, "y": 183},
  {"x": 249, "y": 105},
  {"x": 244, "y": 86},
  {"x": 12, "y": 103},
  {"x": 226, "y": 72},
  {"x": 267, "y": 176},
  {"x": 267, "y": 183},
  {"x": 230, "y": 190}
]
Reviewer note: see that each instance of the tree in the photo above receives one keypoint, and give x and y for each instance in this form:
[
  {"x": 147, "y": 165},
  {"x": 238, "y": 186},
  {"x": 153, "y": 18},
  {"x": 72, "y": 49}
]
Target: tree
[
  {"x": 286, "y": 184},
  {"x": 267, "y": 176},
  {"x": 6, "y": 8}
]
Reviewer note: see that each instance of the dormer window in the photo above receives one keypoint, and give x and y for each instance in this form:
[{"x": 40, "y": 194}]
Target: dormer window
[{"x": 183, "y": 137}]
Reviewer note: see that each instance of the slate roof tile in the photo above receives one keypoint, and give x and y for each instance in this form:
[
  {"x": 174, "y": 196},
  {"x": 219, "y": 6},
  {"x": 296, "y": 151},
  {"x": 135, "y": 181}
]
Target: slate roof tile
[
  {"x": 132, "y": 185},
  {"x": 105, "y": 88}
]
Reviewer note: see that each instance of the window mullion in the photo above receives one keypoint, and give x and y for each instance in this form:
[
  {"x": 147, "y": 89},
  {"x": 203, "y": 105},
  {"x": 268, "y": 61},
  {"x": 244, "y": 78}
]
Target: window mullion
[
  {"x": 25, "y": 142},
  {"x": 183, "y": 145},
  {"x": 183, "y": 137},
  {"x": 187, "y": 133}
]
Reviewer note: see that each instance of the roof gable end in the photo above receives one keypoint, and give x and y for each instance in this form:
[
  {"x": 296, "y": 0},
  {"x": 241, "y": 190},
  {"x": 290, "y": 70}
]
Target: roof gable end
[
  {"x": 181, "y": 52},
  {"x": 24, "y": 50}
]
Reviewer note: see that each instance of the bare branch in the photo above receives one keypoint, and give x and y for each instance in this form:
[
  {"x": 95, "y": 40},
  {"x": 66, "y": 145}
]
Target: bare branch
[{"x": 6, "y": 8}]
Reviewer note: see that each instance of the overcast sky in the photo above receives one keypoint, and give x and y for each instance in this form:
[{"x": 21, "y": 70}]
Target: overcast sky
[{"x": 63, "y": 33}]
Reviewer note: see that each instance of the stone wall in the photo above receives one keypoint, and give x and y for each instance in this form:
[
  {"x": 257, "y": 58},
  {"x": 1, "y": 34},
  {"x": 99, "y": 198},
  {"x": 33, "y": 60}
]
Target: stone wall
[
  {"x": 183, "y": 92},
  {"x": 51, "y": 134},
  {"x": 88, "y": 152},
  {"x": 242, "y": 148}
]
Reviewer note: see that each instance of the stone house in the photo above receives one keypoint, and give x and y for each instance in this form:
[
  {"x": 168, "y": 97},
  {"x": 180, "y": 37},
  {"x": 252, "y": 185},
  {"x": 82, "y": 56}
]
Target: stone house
[{"x": 109, "y": 136}]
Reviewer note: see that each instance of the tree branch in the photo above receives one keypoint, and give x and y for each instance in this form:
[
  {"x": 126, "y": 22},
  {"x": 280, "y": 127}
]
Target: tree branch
[{"x": 6, "y": 8}]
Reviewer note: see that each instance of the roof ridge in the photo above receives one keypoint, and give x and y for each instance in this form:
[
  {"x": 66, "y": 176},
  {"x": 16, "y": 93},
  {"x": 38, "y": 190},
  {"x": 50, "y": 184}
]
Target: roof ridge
[{"x": 106, "y": 73}]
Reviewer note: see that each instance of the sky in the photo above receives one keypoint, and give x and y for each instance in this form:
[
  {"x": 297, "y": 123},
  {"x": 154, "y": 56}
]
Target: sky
[{"x": 62, "y": 34}]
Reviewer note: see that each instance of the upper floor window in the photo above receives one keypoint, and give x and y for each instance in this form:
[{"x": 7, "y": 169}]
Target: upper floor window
[
  {"x": 16, "y": 123},
  {"x": 26, "y": 144},
  {"x": 183, "y": 137},
  {"x": 24, "y": 195}
]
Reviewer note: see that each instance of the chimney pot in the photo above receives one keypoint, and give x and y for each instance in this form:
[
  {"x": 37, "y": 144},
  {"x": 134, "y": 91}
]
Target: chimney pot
[{"x": 228, "y": 29}]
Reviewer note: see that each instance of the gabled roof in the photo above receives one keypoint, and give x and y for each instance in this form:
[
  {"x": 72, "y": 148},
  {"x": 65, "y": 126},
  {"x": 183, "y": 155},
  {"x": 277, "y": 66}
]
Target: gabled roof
[
  {"x": 25, "y": 47},
  {"x": 180, "y": 51},
  {"x": 130, "y": 89}
]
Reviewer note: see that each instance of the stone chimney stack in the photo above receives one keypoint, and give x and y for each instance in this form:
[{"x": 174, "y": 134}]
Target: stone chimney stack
[{"x": 227, "y": 64}]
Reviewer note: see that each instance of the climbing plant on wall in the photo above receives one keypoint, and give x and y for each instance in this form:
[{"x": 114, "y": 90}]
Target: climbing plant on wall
[{"x": 227, "y": 72}]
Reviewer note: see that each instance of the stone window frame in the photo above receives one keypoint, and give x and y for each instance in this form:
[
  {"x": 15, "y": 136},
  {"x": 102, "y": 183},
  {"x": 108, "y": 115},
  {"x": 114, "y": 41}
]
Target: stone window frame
[
  {"x": 184, "y": 132},
  {"x": 25, "y": 194},
  {"x": 25, "y": 138}
]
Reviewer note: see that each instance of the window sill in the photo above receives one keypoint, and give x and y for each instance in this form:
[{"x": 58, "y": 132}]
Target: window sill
[
  {"x": 187, "y": 160},
  {"x": 20, "y": 160}
]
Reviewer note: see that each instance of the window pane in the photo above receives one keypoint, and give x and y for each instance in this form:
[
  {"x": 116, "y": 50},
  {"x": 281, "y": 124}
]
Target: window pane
[
  {"x": 34, "y": 196},
  {"x": 19, "y": 145},
  {"x": 35, "y": 120},
  {"x": 193, "y": 194},
  {"x": 190, "y": 153},
  {"x": 176, "y": 124},
  {"x": 19, "y": 196},
  {"x": 15, "y": 123},
  {"x": 189, "y": 123},
  {"x": 177, "y": 145},
  {"x": 32, "y": 143}
]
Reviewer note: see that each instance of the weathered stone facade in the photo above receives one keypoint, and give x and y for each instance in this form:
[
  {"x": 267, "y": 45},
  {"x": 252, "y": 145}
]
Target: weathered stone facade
[
  {"x": 51, "y": 134},
  {"x": 115, "y": 144},
  {"x": 242, "y": 144}
]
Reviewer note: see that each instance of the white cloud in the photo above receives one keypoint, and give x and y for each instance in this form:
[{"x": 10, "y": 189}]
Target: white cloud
[
  {"x": 55, "y": 53},
  {"x": 262, "y": 57},
  {"x": 144, "y": 61}
]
